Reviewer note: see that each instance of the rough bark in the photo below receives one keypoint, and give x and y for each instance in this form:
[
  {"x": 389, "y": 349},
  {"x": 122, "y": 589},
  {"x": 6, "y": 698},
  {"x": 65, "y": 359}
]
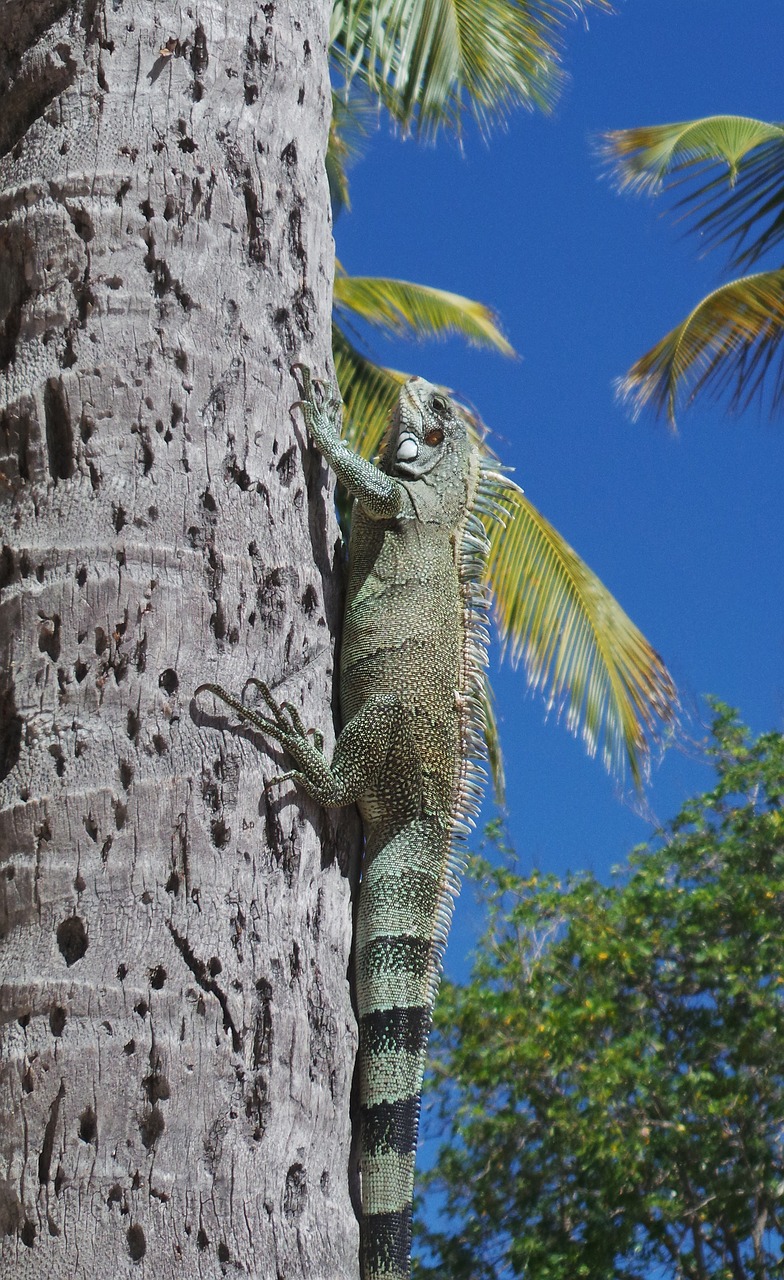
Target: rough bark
[{"x": 178, "y": 1036}]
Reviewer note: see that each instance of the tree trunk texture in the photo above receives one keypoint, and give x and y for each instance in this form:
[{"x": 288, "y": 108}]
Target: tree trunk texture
[{"x": 178, "y": 1038}]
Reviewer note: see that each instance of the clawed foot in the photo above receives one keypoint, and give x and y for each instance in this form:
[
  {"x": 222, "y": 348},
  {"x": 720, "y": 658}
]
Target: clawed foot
[
  {"x": 320, "y": 404},
  {"x": 285, "y": 725}
]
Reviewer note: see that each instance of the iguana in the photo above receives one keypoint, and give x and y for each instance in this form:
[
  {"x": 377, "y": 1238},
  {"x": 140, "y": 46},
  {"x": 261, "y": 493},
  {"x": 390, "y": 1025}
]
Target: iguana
[{"x": 413, "y": 654}]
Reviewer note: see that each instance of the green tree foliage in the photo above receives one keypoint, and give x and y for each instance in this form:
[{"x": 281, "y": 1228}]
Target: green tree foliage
[
  {"x": 729, "y": 171},
  {"x": 611, "y": 1080}
]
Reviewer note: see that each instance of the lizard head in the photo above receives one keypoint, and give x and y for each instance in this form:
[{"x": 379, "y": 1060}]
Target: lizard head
[{"x": 428, "y": 431}]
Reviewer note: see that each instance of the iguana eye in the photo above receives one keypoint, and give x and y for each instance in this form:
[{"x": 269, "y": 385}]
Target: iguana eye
[
  {"x": 439, "y": 403},
  {"x": 435, "y": 436}
]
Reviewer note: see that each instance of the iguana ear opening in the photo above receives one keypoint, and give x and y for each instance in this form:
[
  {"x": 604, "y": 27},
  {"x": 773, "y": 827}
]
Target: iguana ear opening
[{"x": 407, "y": 448}]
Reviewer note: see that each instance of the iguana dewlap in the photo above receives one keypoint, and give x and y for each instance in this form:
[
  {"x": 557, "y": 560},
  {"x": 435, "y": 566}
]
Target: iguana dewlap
[{"x": 413, "y": 654}]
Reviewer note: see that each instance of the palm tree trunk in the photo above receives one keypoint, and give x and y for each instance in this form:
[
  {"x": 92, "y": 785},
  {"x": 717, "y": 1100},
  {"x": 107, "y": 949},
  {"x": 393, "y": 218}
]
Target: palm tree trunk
[{"x": 178, "y": 1037}]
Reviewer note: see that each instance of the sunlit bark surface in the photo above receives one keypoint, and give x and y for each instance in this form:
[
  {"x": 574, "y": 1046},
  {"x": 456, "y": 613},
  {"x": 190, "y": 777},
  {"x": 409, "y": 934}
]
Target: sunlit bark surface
[{"x": 177, "y": 1037}]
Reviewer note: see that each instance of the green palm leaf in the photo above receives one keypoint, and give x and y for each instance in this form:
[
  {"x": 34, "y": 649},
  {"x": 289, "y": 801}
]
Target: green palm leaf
[
  {"x": 577, "y": 644},
  {"x": 425, "y": 59},
  {"x": 348, "y": 128},
  {"x": 728, "y": 343},
  {"x": 399, "y": 309},
  {"x": 369, "y": 394},
  {"x": 406, "y": 310},
  {"x": 742, "y": 204},
  {"x": 495, "y": 757}
]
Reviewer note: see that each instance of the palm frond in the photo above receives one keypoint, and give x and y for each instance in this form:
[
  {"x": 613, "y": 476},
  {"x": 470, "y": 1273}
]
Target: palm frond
[
  {"x": 406, "y": 310},
  {"x": 576, "y": 642},
  {"x": 428, "y": 59},
  {"x": 348, "y": 128},
  {"x": 369, "y": 394},
  {"x": 495, "y": 757},
  {"x": 728, "y": 343},
  {"x": 742, "y": 204}
]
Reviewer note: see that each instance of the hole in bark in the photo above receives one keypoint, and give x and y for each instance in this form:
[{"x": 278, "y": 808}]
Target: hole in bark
[
  {"x": 169, "y": 681},
  {"x": 122, "y": 972},
  {"x": 126, "y": 774},
  {"x": 223, "y": 1252},
  {"x": 199, "y": 56},
  {"x": 137, "y": 1245},
  {"x": 88, "y": 1125},
  {"x": 295, "y": 1194},
  {"x": 202, "y": 1239},
  {"x": 220, "y": 833},
  {"x": 57, "y": 1019},
  {"x": 82, "y": 224},
  {"x": 10, "y": 729},
  {"x": 151, "y": 1128},
  {"x": 141, "y": 1008},
  {"x": 49, "y": 636},
  {"x": 129, "y": 1049},
  {"x": 27, "y": 1234},
  {"x": 157, "y": 1087},
  {"x": 59, "y": 432},
  {"x": 286, "y": 467},
  {"x": 157, "y": 977},
  {"x": 80, "y": 670},
  {"x": 132, "y": 725},
  {"x": 72, "y": 939}
]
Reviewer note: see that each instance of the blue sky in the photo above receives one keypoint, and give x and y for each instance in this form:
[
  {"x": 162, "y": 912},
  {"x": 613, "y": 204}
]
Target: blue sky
[{"x": 687, "y": 532}]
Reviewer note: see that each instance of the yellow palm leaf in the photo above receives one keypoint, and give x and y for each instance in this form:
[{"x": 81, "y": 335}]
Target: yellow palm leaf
[
  {"x": 406, "y": 310},
  {"x": 728, "y": 342},
  {"x": 643, "y": 157},
  {"x": 577, "y": 644},
  {"x": 729, "y": 168},
  {"x": 369, "y": 394}
]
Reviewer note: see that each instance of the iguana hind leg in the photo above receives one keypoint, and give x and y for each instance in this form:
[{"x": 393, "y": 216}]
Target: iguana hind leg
[{"x": 379, "y": 731}]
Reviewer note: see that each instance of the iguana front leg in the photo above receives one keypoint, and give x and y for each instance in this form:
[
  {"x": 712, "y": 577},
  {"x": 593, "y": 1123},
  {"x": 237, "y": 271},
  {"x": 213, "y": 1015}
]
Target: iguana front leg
[{"x": 379, "y": 494}]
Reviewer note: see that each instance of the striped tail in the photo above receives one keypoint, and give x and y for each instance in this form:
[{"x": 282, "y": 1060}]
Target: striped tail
[{"x": 405, "y": 903}]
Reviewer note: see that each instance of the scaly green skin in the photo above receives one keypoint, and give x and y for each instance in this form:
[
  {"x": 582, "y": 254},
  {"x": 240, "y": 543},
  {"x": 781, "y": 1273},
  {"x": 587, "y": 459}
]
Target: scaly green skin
[{"x": 412, "y": 656}]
